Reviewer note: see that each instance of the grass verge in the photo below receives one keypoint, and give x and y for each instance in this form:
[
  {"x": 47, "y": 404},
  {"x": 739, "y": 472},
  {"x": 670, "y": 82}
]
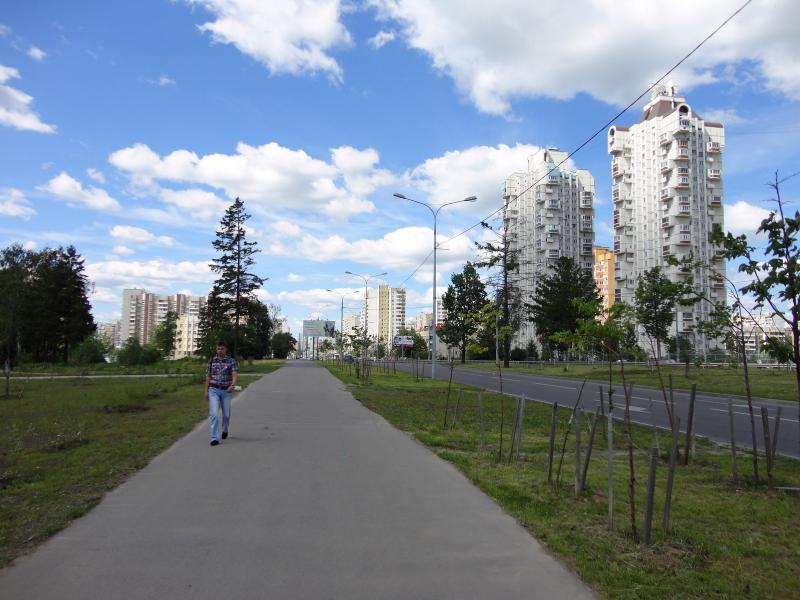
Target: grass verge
[
  {"x": 727, "y": 540},
  {"x": 191, "y": 366},
  {"x": 777, "y": 384},
  {"x": 64, "y": 444}
]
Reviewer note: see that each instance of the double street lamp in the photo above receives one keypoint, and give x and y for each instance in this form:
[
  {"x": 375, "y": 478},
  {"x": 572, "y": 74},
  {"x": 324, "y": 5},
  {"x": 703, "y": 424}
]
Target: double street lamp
[
  {"x": 435, "y": 213},
  {"x": 366, "y": 278}
]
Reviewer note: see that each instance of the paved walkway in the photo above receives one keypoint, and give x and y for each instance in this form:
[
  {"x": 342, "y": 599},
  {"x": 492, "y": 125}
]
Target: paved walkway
[{"x": 312, "y": 496}]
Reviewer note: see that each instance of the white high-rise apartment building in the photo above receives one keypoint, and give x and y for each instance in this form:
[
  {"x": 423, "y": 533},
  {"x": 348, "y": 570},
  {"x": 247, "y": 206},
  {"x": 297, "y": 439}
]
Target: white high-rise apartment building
[
  {"x": 667, "y": 193},
  {"x": 549, "y": 214},
  {"x": 385, "y": 312}
]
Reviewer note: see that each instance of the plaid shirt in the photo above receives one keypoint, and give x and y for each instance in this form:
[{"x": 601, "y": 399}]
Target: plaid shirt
[{"x": 220, "y": 370}]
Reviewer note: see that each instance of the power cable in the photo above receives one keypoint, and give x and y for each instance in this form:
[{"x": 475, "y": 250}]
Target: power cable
[{"x": 611, "y": 121}]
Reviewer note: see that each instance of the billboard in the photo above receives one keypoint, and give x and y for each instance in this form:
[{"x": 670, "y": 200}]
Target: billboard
[
  {"x": 319, "y": 328},
  {"x": 405, "y": 341}
]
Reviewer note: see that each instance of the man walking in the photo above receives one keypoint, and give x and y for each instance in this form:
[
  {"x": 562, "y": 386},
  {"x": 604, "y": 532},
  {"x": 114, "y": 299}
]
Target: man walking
[{"x": 221, "y": 375}]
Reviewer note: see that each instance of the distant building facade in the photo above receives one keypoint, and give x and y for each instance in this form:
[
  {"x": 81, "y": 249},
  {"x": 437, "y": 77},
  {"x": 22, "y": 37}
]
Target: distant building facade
[
  {"x": 143, "y": 311},
  {"x": 604, "y": 275}
]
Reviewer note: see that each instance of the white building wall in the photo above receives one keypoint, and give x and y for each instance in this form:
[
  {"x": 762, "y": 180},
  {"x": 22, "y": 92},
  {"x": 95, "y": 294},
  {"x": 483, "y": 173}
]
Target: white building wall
[
  {"x": 549, "y": 214},
  {"x": 667, "y": 195}
]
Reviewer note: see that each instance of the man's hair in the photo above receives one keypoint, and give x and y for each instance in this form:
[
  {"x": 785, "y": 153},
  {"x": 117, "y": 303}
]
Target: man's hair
[{"x": 221, "y": 343}]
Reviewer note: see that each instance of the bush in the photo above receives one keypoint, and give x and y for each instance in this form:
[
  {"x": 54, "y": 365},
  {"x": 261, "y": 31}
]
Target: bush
[
  {"x": 91, "y": 350},
  {"x": 131, "y": 353},
  {"x": 518, "y": 354}
]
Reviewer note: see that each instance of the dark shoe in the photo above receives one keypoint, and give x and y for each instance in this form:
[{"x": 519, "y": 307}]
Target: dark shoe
[
  {"x": 215, "y": 442},
  {"x": 224, "y": 435}
]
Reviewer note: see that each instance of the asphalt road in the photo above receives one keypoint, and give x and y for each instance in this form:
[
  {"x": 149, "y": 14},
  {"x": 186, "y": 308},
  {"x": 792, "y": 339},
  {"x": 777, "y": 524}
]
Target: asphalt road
[
  {"x": 312, "y": 496},
  {"x": 711, "y": 418}
]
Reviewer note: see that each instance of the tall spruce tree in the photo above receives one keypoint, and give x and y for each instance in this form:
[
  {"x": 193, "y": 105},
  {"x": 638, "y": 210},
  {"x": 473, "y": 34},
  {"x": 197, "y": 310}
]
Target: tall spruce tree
[
  {"x": 553, "y": 308},
  {"x": 465, "y": 296},
  {"x": 234, "y": 289}
]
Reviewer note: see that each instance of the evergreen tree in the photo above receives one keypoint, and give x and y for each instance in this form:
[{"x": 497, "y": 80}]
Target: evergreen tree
[
  {"x": 236, "y": 283},
  {"x": 465, "y": 296},
  {"x": 554, "y": 308},
  {"x": 166, "y": 332}
]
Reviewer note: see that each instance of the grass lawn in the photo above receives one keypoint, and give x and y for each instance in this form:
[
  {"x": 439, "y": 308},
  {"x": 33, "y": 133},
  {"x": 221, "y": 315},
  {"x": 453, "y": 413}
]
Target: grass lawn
[
  {"x": 727, "y": 540},
  {"x": 184, "y": 365},
  {"x": 778, "y": 384},
  {"x": 64, "y": 444}
]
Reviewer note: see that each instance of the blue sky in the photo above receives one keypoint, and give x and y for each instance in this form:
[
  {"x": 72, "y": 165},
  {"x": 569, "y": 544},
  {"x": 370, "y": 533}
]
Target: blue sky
[{"x": 126, "y": 128}]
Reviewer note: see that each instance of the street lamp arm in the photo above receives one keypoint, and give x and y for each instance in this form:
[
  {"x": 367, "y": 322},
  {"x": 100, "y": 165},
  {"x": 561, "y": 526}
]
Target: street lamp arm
[{"x": 469, "y": 199}]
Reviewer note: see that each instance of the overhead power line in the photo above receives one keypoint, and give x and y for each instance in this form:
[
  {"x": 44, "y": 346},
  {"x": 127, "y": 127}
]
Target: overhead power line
[{"x": 606, "y": 125}]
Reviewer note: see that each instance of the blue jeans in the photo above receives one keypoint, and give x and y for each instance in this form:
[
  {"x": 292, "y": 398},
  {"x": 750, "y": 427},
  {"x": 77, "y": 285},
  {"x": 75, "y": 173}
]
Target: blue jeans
[{"x": 218, "y": 399}]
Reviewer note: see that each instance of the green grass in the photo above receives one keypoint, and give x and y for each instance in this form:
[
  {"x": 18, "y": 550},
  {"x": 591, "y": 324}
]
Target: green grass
[
  {"x": 728, "y": 540},
  {"x": 183, "y": 366},
  {"x": 777, "y": 384},
  {"x": 64, "y": 444}
]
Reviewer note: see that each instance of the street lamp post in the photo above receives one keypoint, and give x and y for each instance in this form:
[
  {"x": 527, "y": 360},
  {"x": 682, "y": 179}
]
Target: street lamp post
[
  {"x": 366, "y": 278},
  {"x": 341, "y": 317},
  {"x": 435, "y": 214}
]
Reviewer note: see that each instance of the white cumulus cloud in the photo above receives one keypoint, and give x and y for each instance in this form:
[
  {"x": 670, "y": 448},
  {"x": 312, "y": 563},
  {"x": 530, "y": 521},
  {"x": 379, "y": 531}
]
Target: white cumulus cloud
[
  {"x": 15, "y": 109},
  {"x": 294, "y": 277},
  {"x": 122, "y": 250},
  {"x": 96, "y": 175},
  {"x": 137, "y": 235},
  {"x": 152, "y": 274},
  {"x": 14, "y": 204},
  {"x": 67, "y": 188},
  {"x": 286, "y": 36},
  {"x": 399, "y": 251},
  {"x": 502, "y": 50},
  {"x": 36, "y": 54},
  {"x": 475, "y": 171},
  {"x": 743, "y": 217},
  {"x": 380, "y": 39},
  {"x": 269, "y": 176}
]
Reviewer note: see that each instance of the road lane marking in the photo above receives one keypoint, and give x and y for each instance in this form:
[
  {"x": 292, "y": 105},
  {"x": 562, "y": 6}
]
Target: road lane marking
[{"x": 747, "y": 414}]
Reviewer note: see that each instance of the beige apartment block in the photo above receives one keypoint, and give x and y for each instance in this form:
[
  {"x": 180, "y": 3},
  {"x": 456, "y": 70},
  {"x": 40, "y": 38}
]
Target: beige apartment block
[{"x": 604, "y": 275}]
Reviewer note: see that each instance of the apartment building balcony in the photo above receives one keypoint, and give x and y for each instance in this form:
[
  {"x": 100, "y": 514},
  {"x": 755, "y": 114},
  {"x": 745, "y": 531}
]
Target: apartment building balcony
[
  {"x": 552, "y": 180},
  {"x": 553, "y": 204},
  {"x": 682, "y": 182},
  {"x": 586, "y": 226},
  {"x": 712, "y": 147},
  {"x": 619, "y": 275},
  {"x": 684, "y": 126},
  {"x": 665, "y": 166},
  {"x": 684, "y": 238},
  {"x": 666, "y": 223},
  {"x": 552, "y": 230},
  {"x": 615, "y": 146},
  {"x": 553, "y": 253},
  {"x": 539, "y": 222},
  {"x": 664, "y": 139},
  {"x": 716, "y": 201},
  {"x": 714, "y": 173},
  {"x": 586, "y": 250},
  {"x": 682, "y": 154},
  {"x": 665, "y": 250},
  {"x": 684, "y": 210},
  {"x": 666, "y": 194}
]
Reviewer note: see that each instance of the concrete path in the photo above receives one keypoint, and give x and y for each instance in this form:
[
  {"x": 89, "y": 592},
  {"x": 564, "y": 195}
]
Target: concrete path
[{"x": 312, "y": 496}]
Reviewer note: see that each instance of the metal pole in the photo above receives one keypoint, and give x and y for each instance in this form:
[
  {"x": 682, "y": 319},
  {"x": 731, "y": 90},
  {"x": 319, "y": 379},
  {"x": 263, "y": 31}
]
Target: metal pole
[{"x": 433, "y": 324}]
